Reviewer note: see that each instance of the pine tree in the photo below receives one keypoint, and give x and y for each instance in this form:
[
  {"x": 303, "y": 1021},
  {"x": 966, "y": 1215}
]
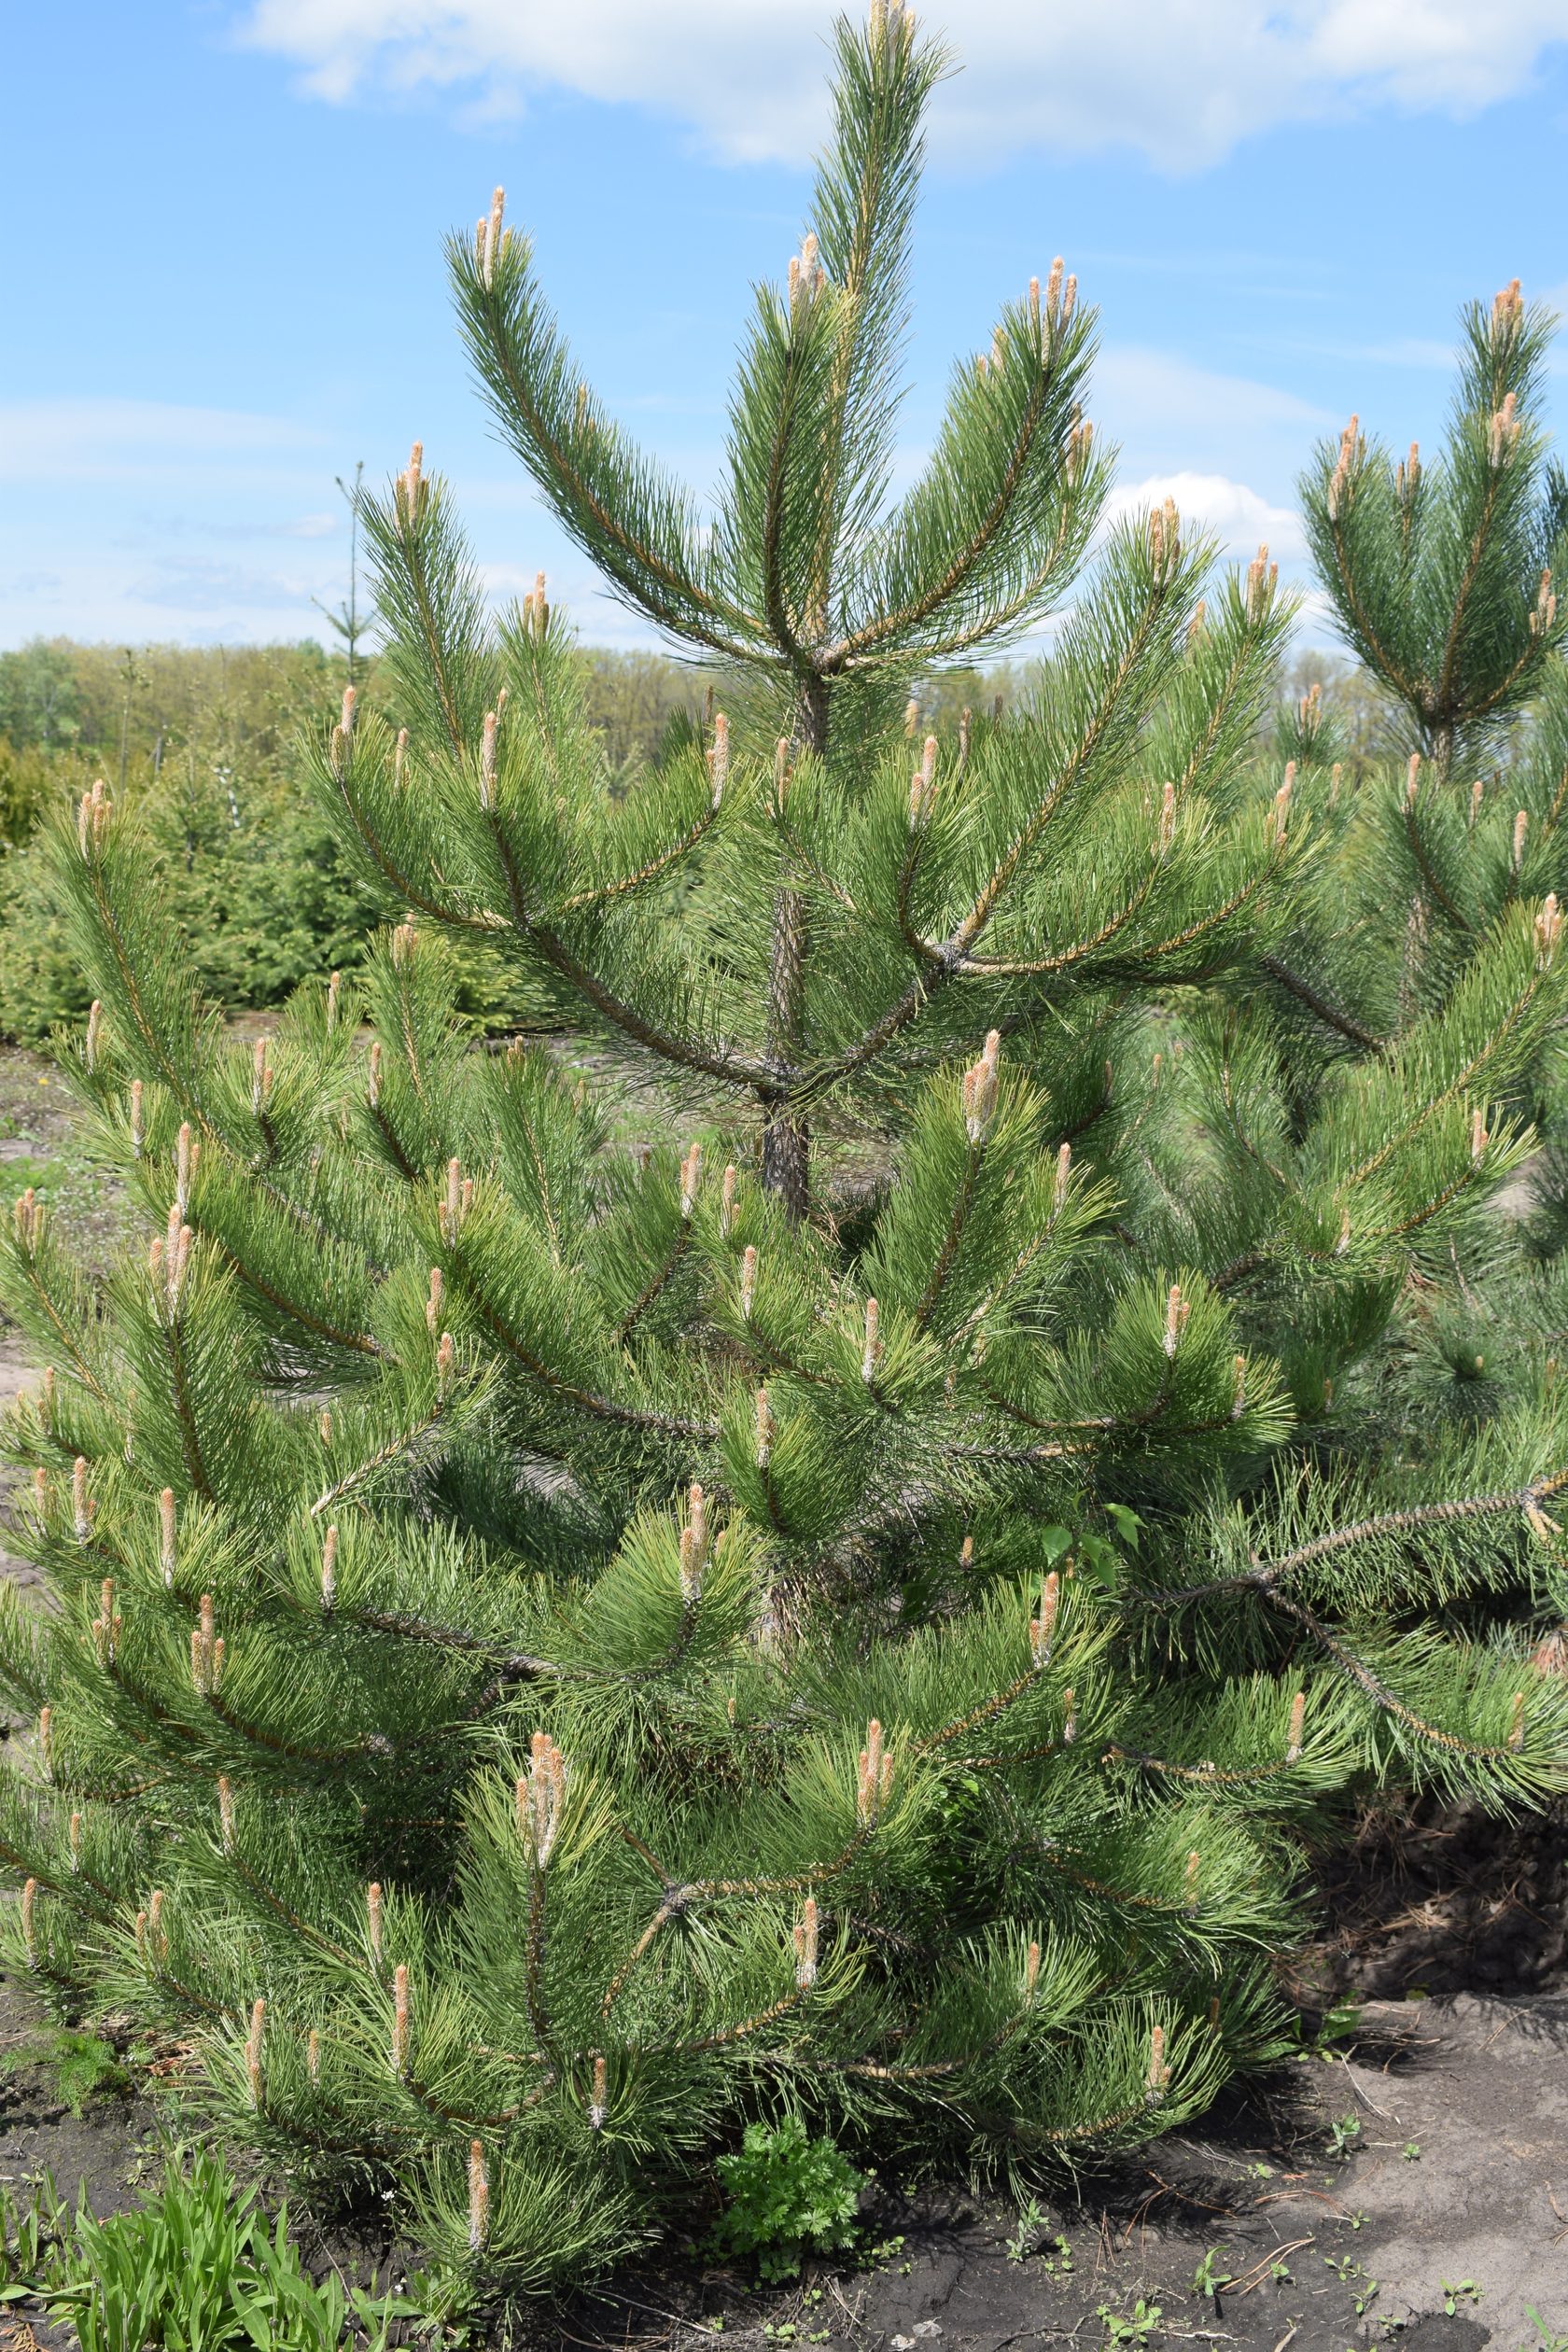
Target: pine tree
[
  {"x": 1441, "y": 576},
  {"x": 566, "y": 1638},
  {"x": 1440, "y": 579}
]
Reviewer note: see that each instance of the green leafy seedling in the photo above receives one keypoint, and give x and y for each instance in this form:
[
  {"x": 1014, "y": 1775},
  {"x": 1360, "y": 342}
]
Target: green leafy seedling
[
  {"x": 81, "y": 2066},
  {"x": 1031, "y": 2223},
  {"x": 194, "y": 2266},
  {"x": 1208, "y": 2278},
  {"x": 1130, "y": 2331},
  {"x": 789, "y": 2195}
]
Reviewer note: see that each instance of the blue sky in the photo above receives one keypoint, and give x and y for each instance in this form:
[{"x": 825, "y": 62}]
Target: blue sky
[{"x": 224, "y": 219}]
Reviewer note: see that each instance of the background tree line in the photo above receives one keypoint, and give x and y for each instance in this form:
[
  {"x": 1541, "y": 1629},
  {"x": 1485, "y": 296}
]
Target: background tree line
[{"x": 202, "y": 738}]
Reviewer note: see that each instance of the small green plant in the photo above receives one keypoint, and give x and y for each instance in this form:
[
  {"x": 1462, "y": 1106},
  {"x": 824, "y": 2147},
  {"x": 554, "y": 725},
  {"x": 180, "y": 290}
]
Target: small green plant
[
  {"x": 194, "y": 2267},
  {"x": 30, "y": 2232},
  {"x": 1412, "y": 2151},
  {"x": 1547, "y": 2339},
  {"x": 1364, "y": 2289},
  {"x": 1059, "y": 2260},
  {"x": 1457, "y": 2290},
  {"x": 789, "y": 2195},
  {"x": 1337, "y": 2024},
  {"x": 1031, "y": 2223},
  {"x": 81, "y": 2066},
  {"x": 1133, "y": 2330},
  {"x": 1343, "y": 2133},
  {"x": 1208, "y": 2278}
]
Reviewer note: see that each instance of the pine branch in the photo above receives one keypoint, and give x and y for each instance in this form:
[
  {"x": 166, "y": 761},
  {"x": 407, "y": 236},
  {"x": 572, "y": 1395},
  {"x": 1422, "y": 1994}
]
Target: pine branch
[{"x": 1316, "y": 1003}]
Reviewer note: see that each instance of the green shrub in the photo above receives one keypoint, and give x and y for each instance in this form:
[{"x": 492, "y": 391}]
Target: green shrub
[
  {"x": 40, "y": 980},
  {"x": 789, "y": 2195},
  {"x": 259, "y": 891}
]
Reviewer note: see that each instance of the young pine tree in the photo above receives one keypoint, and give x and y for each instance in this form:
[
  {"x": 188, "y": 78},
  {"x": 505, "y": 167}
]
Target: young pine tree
[
  {"x": 1440, "y": 575},
  {"x": 567, "y": 1638},
  {"x": 1440, "y": 579}
]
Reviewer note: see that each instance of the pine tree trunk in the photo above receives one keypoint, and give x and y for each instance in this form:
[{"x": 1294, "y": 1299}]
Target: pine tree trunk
[{"x": 786, "y": 1135}]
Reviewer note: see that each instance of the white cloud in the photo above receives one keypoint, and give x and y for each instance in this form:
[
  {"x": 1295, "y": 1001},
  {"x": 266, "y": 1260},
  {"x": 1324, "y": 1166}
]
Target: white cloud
[
  {"x": 1150, "y": 399},
  {"x": 1191, "y": 398},
  {"x": 111, "y": 440},
  {"x": 163, "y": 519},
  {"x": 1236, "y": 516},
  {"x": 99, "y": 595},
  {"x": 1180, "y": 81}
]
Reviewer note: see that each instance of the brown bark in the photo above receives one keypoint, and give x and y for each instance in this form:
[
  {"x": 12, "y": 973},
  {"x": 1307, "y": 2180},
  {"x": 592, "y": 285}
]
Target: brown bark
[{"x": 786, "y": 1132}]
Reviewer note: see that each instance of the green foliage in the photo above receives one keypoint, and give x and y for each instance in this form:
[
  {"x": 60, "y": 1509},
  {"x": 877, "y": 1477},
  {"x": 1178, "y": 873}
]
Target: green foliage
[
  {"x": 566, "y": 1643},
  {"x": 81, "y": 2066},
  {"x": 1439, "y": 573},
  {"x": 787, "y": 2195},
  {"x": 192, "y": 2267},
  {"x": 1132, "y": 2329},
  {"x": 1208, "y": 2278},
  {"x": 32, "y": 780},
  {"x": 203, "y": 744},
  {"x": 263, "y": 898},
  {"x": 1031, "y": 2221}
]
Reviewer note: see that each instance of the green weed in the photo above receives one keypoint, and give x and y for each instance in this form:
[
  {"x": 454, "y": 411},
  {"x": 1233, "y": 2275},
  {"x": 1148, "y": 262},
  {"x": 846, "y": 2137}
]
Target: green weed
[
  {"x": 194, "y": 2268},
  {"x": 787, "y": 2195},
  {"x": 1207, "y": 2279},
  {"x": 80, "y": 2067},
  {"x": 1131, "y": 2332},
  {"x": 1031, "y": 2220}
]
